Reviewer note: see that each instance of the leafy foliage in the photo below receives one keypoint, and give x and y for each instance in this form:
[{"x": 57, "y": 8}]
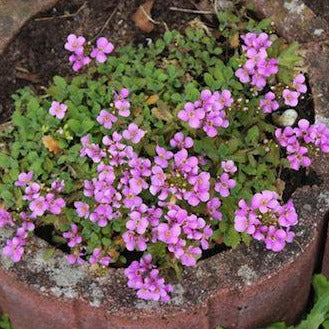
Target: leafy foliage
[{"x": 161, "y": 78}]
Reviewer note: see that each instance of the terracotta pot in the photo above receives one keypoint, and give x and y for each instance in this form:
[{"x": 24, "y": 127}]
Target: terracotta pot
[{"x": 238, "y": 289}]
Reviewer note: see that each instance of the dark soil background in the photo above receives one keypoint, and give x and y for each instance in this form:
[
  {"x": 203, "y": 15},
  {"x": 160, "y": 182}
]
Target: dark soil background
[
  {"x": 37, "y": 53},
  {"x": 320, "y": 7}
]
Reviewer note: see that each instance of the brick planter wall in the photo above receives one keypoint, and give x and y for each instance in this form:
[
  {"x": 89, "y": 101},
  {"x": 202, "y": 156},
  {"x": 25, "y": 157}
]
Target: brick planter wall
[{"x": 238, "y": 289}]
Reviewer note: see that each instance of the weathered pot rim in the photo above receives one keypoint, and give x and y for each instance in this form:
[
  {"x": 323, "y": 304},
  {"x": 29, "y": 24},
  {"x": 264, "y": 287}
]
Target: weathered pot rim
[{"x": 56, "y": 279}]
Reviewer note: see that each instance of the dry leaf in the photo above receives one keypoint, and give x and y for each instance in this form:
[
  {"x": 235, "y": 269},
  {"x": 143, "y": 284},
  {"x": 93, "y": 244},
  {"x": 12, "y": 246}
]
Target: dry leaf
[
  {"x": 235, "y": 41},
  {"x": 51, "y": 144},
  {"x": 162, "y": 112},
  {"x": 152, "y": 99},
  {"x": 142, "y": 17},
  {"x": 119, "y": 242},
  {"x": 280, "y": 186},
  {"x": 113, "y": 253}
]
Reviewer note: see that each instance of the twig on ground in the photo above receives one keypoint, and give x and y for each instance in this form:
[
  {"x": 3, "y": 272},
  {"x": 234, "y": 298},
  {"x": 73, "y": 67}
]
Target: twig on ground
[
  {"x": 152, "y": 20},
  {"x": 148, "y": 16},
  {"x": 105, "y": 24},
  {"x": 62, "y": 16},
  {"x": 24, "y": 74},
  {"x": 192, "y": 11},
  {"x": 299, "y": 245}
]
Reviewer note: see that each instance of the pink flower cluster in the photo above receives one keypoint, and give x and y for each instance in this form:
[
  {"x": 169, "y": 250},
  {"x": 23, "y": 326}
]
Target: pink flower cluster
[
  {"x": 179, "y": 174},
  {"x": 124, "y": 178},
  {"x": 225, "y": 183},
  {"x": 266, "y": 220},
  {"x": 6, "y": 218},
  {"x": 208, "y": 112},
  {"x": 185, "y": 235},
  {"x": 79, "y": 58},
  {"x": 144, "y": 277},
  {"x": 39, "y": 201},
  {"x": 299, "y": 87},
  {"x": 75, "y": 242},
  {"x": 258, "y": 67},
  {"x": 300, "y": 140},
  {"x": 14, "y": 247},
  {"x": 269, "y": 104},
  {"x": 122, "y": 107}
]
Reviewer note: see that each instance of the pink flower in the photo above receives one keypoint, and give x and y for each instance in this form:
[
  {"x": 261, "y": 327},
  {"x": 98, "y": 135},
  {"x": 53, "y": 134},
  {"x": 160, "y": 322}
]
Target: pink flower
[
  {"x": 121, "y": 103},
  {"x": 212, "y": 206},
  {"x": 299, "y": 159},
  {"x": 97, "y": 258},
  {"x": 75, "y": 258},
  {"x": 103, "y": 48},
  {"x": 299, "y": 84},
  {"x": 39, "y": 206},
  {"x": 32, "y": 192},
  {"x": 137, "y": 185},
  {"x": 225, "y": 98},
  {"x": 180, "y": 141},
  {"x": 275, "y": 239},
  {"x": 134, "y": 241},
  {"x": 6, "y": 218},
  {"x": 24, "y": 178},
  {"x": 106, "y": 119},
  {"x": 290, "y": 97},
  {"x": 229, "y": 166},
  {"x": 268, "y": 67},
  {"x": 243, "y": 75},
  {"x": 75, "y": 44},
  {"x": 192, "y": 115},
  {"x": 14, "y": 249},
  {"x": 58, "y": 110},
  {"x": 57, "y": 186},
  {"x": 137, "y": 222},
  {"x": 190, "y": 256},
  {"x": 163, "y": 156},
  {"x": 133, "y": 133},
  {"x": 73, "y": 236},
  {"x": 82, "y": 209},
  {"x": 268, "y": 103},
  {"x": 55, "y": 206},
  {"x": 224, "y": 185},
  {"x": 144, "y": 277},
  {"x": 264, "y": 201},
  {"x": 167, "y": 234},
  {"x": 79, "y": 61},
  {"x": 131, "y": 200}
]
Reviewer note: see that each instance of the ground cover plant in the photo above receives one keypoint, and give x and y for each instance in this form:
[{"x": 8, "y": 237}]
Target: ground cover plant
[{"x": 153, "y": 155}]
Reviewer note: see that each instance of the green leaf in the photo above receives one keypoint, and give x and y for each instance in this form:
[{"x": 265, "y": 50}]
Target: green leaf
[
  {"x": 5, "y": 322},
  {"x": 157, "y": 250},
  {"x": 48, "y": 253},
  {"x": 209, "y": 80},
  {"x": 80, "y": 128},
  {"x": 167, "y": 37},
  {"x": 232, "y": 238},
  {"x": 252, "y": 135},
  {"x": 7, "y": 161}
]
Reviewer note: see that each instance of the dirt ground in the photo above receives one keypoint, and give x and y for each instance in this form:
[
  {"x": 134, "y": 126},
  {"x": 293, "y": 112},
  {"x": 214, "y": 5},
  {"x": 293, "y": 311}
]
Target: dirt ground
[
  {"x": 37, "y": 53},
  {"x": 320, "y": 7}
]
